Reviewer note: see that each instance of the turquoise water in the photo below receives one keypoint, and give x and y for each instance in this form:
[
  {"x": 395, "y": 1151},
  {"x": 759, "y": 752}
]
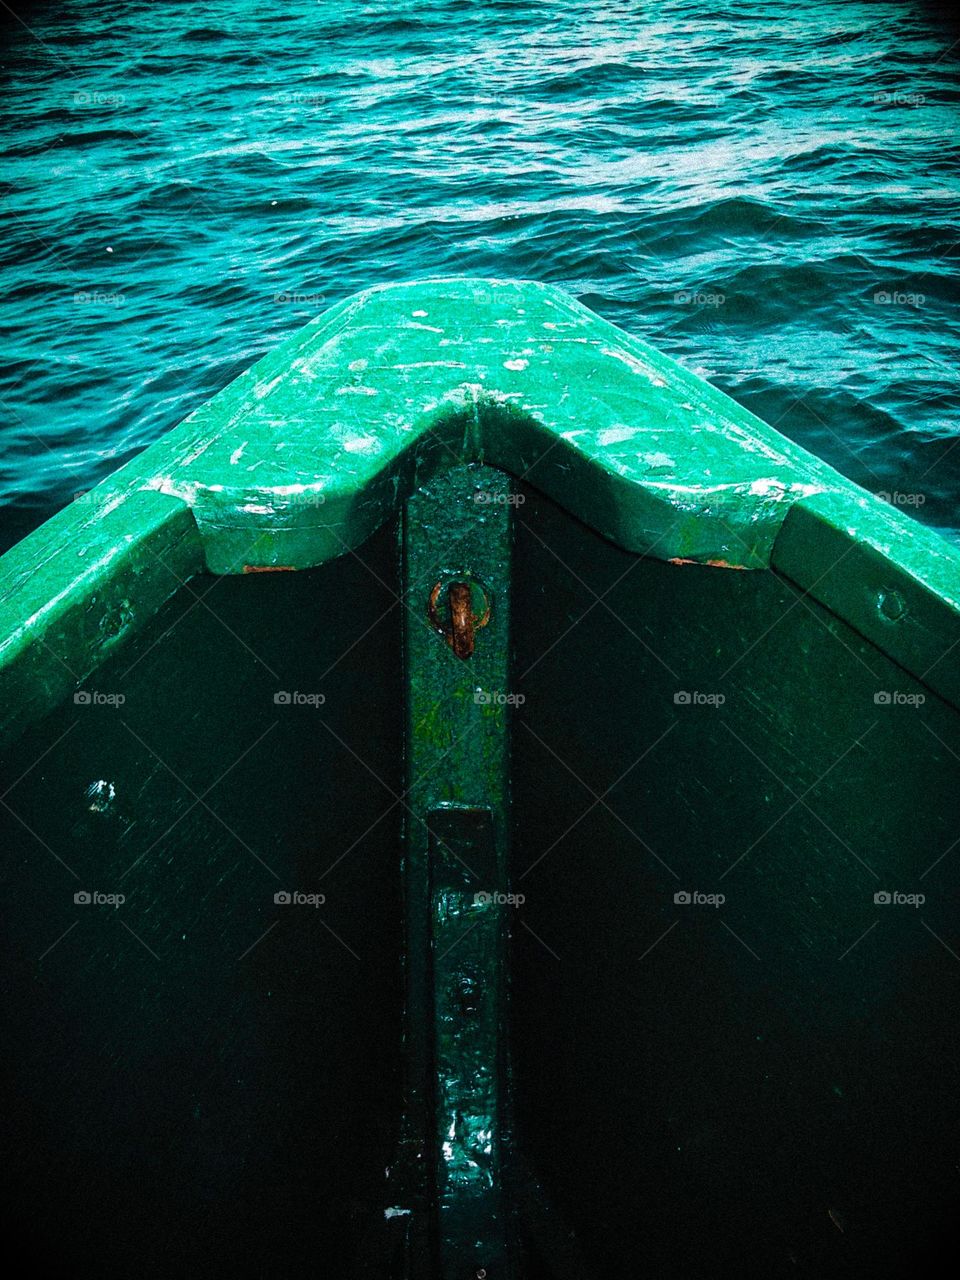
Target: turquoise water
[{"x": 771, "y": 194}]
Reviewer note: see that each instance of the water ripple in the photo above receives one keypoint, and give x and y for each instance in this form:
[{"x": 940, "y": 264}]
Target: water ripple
[{"x": 769, "y": 194}]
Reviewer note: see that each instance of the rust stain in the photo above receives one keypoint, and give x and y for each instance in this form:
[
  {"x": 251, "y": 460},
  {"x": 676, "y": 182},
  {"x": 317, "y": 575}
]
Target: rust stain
[
  {"x": 725, "y": 564},
  {"x": 713, "y": 564},
  {"x": 459, "y": 633},
  {"x": 461, "y": 619}
]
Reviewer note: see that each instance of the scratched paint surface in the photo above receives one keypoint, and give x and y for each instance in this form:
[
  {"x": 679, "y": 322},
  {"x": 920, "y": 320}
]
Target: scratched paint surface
[
  {"x": 737, "y": 182},
  {"x": 317, "y": 442},
  {"x": 304, "y": 456}
]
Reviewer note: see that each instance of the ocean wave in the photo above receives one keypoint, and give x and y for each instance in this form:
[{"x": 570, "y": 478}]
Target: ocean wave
[{"x": 735, "y": 185}]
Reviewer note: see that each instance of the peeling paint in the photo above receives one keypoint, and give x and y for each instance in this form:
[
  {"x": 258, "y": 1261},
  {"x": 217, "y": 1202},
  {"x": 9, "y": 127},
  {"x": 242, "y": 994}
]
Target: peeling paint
[
  {"x": 658, "y": 461},
  {"x": 263, "y": 389},
  {"x": 432, "y": 364},
  {"x": 304, "y": 418},
  {"x": 198, "y": 453},
  {"x": 615, "y": 435},
  {"x": 636, "y": 365}
]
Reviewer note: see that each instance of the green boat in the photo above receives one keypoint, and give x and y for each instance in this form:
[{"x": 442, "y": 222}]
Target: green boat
[{"x": 479, "y": 803}]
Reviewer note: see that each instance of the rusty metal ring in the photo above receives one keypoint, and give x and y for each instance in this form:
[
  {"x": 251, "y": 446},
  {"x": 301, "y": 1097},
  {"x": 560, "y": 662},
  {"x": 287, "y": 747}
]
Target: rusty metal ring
[
  {"x": 464, "y": 622},
  {"x": 435, "y": 595}
]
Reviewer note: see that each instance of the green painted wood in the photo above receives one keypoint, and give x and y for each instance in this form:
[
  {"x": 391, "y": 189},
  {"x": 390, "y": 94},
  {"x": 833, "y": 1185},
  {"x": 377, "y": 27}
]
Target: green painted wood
[
  {"x": 468, "y": 934},
  {"x": 457, "y": 529},
  {"x": 320, "y": 440},
  {"x": 898, "y": 589},
  {"x": 217, "y": 1092},
  {"x": 303, "y": 456},
  {"x": 791, "y": 1052},
  {"x": 73, "y": 593},
  {"x": 799, "y": 1066}
]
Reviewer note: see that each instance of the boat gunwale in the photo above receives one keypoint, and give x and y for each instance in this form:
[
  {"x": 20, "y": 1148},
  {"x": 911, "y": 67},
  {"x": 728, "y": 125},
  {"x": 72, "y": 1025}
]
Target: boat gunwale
[{"x": 87, "y": 580}]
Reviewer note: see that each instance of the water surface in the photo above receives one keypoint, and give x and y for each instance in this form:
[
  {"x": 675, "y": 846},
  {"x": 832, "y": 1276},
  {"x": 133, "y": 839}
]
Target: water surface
[{"x": 769, "y": 193}]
